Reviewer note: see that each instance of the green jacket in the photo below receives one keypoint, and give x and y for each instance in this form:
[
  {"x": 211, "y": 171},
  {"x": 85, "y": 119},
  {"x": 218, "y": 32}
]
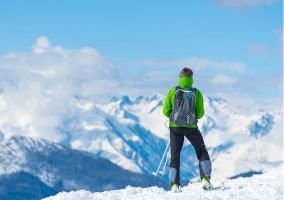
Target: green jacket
[{"x": 185, "y": 83}]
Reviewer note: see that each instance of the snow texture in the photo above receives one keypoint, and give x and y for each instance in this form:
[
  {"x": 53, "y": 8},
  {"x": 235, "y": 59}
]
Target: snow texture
[{"x": 260, "y": 187}]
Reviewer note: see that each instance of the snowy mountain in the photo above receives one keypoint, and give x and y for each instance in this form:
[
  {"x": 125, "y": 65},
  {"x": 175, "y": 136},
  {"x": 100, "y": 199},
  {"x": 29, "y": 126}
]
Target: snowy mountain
[
  {"x": 132, "y": 133},
  {"x": 260, "y": 187},
  {"x": 37, "y": 168}
]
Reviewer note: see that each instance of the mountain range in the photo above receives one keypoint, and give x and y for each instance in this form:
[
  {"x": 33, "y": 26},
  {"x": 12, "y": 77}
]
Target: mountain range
[
  {"x": 121, "y": 142},
  {"x": 36, "y": 168}
]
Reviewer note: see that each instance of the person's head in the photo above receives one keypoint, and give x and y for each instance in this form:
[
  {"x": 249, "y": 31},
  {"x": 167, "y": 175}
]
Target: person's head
[
  {"x": 186, "y": 72},
  {"x": 185, "y": 78}
]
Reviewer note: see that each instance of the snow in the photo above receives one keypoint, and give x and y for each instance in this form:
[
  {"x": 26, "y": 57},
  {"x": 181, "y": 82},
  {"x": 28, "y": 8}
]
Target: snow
[{"x": 258, "y": 187}]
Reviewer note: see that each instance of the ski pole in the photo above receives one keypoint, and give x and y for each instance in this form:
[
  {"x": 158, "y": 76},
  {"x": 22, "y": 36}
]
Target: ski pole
[
  {"x": 168, "y": 154},
  {"x": 166, "y": 150},
  {"x": 164, "y": 168}
]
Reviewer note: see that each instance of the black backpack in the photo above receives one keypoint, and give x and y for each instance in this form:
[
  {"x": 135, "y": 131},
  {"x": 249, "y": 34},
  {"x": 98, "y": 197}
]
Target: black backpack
[{"x": 183, "y": 113}]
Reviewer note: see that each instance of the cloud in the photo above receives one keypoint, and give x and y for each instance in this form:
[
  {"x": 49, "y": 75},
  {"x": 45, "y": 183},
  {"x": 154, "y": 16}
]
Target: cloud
[
  {"x": 196, "y": 64},
  {"x": 42, "y": 44},
  {"x": 37, "y": 88},
  {"x": 222, "y": 79},
  {"x": 244, "y": 4}
]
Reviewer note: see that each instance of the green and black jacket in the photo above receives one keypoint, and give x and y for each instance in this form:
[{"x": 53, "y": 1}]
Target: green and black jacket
[{"x": 184, "y": 83}]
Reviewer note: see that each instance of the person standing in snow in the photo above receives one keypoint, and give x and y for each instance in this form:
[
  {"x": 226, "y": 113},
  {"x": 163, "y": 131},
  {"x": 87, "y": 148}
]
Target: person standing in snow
[{"x": 184, "y": 106}]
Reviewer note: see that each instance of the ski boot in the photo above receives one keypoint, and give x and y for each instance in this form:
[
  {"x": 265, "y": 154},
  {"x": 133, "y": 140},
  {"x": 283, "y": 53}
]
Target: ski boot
[
  {"x": 175, "y": 188},
  {"x": 206, "y": 184}
]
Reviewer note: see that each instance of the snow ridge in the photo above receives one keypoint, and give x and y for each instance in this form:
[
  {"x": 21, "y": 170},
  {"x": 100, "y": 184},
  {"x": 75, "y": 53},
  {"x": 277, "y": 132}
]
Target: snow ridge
[{"x": 260, "y": 187}]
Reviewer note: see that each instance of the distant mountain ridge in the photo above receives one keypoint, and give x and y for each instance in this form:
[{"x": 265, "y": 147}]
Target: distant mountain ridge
[
  {"x": 226, "y": 131},
  {"x": 132, "y": 133},
  {"x": 39, "y": 167}
]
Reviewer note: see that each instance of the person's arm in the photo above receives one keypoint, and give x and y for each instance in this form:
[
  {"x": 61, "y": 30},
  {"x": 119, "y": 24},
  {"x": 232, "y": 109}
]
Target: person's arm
[
  {"x": 199, "y": 108},
  {"x": 167, "y": 109}
]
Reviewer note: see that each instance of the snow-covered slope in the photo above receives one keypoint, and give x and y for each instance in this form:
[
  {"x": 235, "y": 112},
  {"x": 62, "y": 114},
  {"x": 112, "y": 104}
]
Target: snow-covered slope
[
  {"x": 58, "y": 168},
  {"x": 260, "y": 187}
]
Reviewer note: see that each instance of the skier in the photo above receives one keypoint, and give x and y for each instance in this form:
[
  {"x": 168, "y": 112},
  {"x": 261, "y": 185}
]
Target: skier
[{"x": 184, "y": 106}]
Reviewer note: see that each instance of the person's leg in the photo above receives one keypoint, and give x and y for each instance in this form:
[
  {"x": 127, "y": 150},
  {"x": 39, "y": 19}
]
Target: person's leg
[
  {"x": 196, "y": 139},
  {"x": 176, "y": 140}
]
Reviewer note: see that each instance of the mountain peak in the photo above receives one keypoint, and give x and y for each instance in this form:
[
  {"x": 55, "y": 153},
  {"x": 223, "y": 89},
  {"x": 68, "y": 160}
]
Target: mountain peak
[
  {"x": 28, "y": 144},
  {"x": 262, "y": 126},
  {"x": 126, "y": 100},
  {"x": 217, "y": 100},
  {"x": 155, "y": 97},
  {"x": 121, "y": 99}
]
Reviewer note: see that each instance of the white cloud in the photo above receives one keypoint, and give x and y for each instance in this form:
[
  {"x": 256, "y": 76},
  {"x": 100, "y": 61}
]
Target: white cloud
[
  {"x": 243, "y": 4},
  {"x": 38, "y": 87},
  {"x": 42, "y": 44},
  {"x": 196, "y": 64},
  {"x": 222, "y": 79}
]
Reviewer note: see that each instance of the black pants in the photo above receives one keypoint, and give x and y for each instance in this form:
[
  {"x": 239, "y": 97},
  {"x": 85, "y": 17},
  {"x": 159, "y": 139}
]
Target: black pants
[{"x": 195, "y": 138}]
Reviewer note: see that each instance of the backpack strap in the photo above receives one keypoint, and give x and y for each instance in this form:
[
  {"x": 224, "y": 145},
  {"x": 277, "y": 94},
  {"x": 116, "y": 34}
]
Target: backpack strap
[{"x": 194, "y": 90}]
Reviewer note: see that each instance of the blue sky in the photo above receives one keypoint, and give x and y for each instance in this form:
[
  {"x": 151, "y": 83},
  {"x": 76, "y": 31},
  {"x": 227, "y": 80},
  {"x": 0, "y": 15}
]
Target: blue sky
[{"x": 148, "y": 37}]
